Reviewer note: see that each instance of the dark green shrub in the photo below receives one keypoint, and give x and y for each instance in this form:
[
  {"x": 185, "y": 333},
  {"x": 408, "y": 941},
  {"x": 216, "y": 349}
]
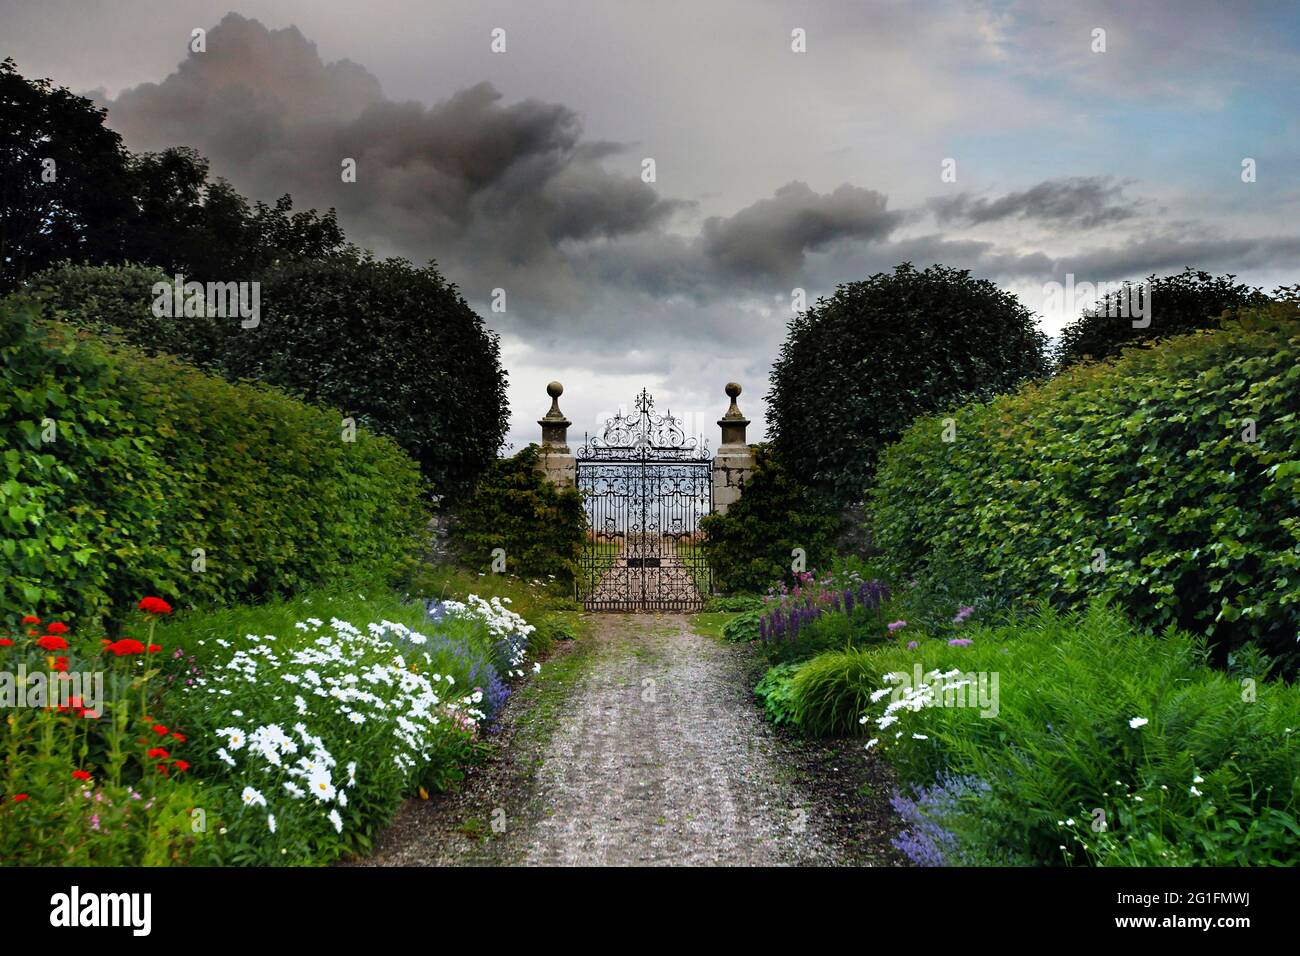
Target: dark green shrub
[
  {"x": 750, "y": 546},
  {"x": 1180, "y": 303},
  {"x": 857, "y": 368},
  {"x": 153, "y": 459},
  {"x": 392, "y": 346},
  {"x": 541, "y": 528},
  {"x": 1134, "y": 479}
]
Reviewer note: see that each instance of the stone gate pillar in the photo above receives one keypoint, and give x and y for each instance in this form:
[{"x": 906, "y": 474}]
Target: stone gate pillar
[
  {"x": 556, "y": 461},
  {"x": 734, "y": 460}
]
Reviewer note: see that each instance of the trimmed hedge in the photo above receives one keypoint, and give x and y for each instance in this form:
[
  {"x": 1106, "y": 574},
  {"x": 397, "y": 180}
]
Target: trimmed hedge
[
  {"x": 393, "y": 345},
  {"x": 153, "y": 459},
  {"x": 1145, "y": 460}
]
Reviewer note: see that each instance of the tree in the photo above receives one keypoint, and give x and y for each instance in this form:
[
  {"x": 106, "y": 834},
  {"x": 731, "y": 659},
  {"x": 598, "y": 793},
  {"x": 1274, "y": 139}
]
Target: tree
[
  {"x": 206, "y": 230},
  {"x": 1179, "y": 303},
  {"x": 65, "y": 183},
  {"x": 71, "y": 192},
  {"x": 858, "y": 367}
]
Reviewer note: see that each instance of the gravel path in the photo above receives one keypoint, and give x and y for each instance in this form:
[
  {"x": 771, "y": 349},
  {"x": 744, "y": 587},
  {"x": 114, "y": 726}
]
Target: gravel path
[{"x": 646, "y": 748}]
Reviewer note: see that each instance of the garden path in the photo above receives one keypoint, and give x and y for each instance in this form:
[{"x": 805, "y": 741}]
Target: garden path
[{"x": 640, "y": 744}]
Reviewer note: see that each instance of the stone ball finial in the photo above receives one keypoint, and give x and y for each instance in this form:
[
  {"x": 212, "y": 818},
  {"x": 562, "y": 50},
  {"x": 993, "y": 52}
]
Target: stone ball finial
[
  {"x": 555, "y": 389},
  {"x": 732, "y": 390}
]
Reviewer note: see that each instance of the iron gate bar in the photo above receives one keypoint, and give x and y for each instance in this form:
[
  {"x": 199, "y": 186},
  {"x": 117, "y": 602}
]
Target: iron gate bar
[{"x": 646, "y": 485}]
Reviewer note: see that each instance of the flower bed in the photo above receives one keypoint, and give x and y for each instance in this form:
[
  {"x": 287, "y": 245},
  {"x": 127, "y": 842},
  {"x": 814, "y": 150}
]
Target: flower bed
[{"x": 271, "y": 748}]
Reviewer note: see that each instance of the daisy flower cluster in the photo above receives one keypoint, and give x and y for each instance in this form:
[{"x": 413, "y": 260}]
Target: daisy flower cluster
[
  {"x": 294, "y": 727},
  {"x": 910, "y": 698}
]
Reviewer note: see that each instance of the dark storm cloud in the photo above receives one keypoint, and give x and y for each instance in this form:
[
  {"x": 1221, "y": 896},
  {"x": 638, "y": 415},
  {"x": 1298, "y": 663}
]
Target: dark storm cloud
[
  {"x": 470, "y": 181},
  {"x": 1083, "y": 201},
  {"x": 772, "y": 236}
]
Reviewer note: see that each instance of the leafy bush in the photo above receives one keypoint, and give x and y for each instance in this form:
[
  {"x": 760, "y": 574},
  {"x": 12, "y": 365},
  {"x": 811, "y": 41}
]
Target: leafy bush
[
  {"x": 750, "y": 546},
  {"x": 153, "y": 459},
  {"x": 743, "y": 627},
  {"x": 516, "y": 508},
  {"x": 82, "y": 514},
  {"x": 1180, "y": 303},
  {"x": 1186, "y": 764},
  {"x": 857, "y": 368},
  {"x": 732, "y": 603},
  {"x": 1136, "y": 478},
  {"x": 775, "y": 694},
  {"x": 393, "y": 346}
]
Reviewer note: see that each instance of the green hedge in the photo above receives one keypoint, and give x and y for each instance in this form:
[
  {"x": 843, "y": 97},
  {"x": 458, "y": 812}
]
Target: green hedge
[
  {"x": 153, "y": 459},
  {"x": 393, "y": 345},
  {"x": 1144, "y": 460}
]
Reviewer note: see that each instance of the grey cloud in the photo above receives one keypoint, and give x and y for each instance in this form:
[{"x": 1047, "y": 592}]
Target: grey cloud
[
  {"x": 1165, "y": 253},
  {"x": 772, "y": 236},
  {"x": 1083, "y": 201},
  {"x": 488, "y": 189}
]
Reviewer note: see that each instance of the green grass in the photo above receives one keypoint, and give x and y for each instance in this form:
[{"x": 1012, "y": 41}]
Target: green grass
[{"x": 711, "y": 623}]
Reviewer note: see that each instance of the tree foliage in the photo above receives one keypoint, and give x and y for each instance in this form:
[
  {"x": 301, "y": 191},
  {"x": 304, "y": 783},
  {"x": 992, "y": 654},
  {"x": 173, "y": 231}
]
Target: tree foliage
[
  {"x": 857, "y": 368},
  {"x": 1179, "y": 303}
]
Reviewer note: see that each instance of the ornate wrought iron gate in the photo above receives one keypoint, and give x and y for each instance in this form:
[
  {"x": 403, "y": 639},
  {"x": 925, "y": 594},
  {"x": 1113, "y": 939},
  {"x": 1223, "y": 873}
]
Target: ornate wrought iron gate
[{"x": 646, "y": 487}]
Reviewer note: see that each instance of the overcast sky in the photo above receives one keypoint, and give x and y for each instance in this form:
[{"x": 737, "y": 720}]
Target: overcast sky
[{"x": 774, "y": 169}]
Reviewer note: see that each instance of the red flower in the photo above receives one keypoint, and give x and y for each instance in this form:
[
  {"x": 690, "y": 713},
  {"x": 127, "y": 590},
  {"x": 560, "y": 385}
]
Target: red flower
[
  {"x": 6, "y": 642},
  {"x": 51, "y": 643},
  {"x": 178, "y": 735},
  {"x": 125, "y": 647},
  {"x": 158, "y": 753},
  {"x": 60, "y": 663},
  {"x": 155, "y": 605},
  {"x": 162, "y": 769},
  {"x": 58, "y": 627},
  {"x": 81, "y": 775},
  {"x": 20, "y": 797},
  {"x": 31, "y": 619},
  {"x": 155, "y": 648},
  {"x": 180, "y": 766}
]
